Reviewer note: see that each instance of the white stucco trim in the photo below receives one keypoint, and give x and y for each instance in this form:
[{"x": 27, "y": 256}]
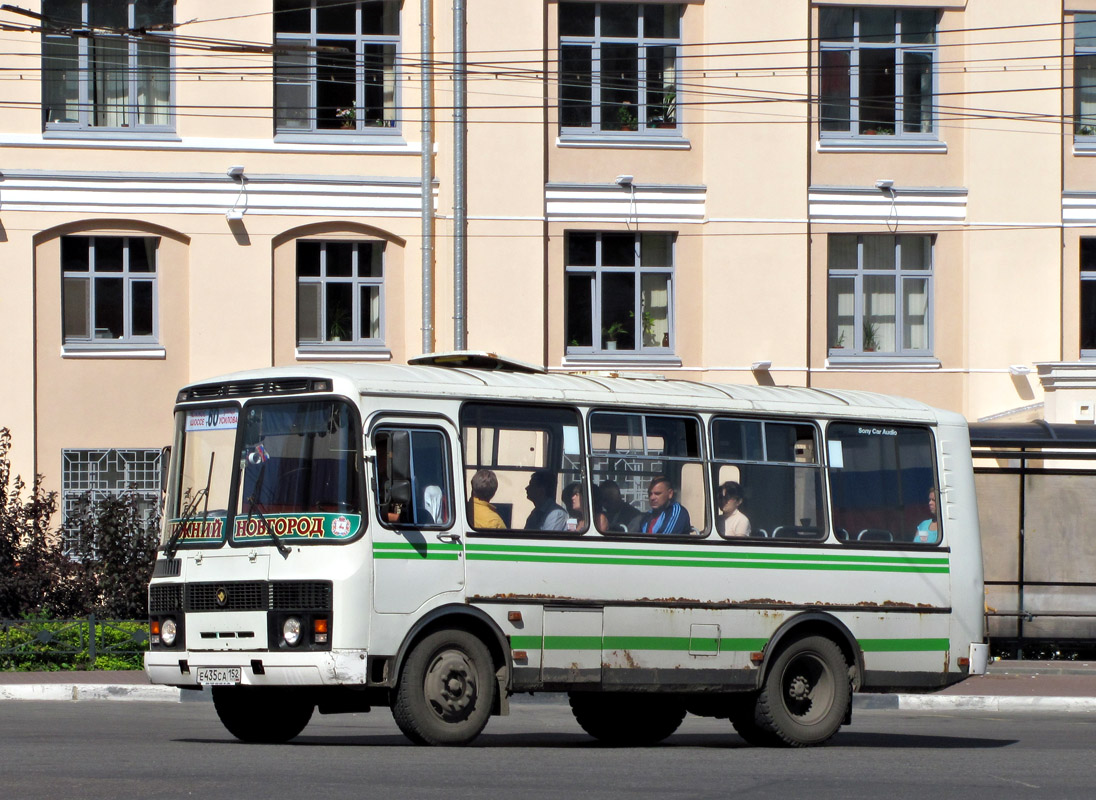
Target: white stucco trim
[
  {"x": 909, "y": 205},
  {"x": 628, "y": 203}
]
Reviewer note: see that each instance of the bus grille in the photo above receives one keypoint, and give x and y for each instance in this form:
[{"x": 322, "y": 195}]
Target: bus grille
[
  {"x": 244, "y": 596},
  {"x": 165, "y": 597},
  {"x": 301, "y": 596}
]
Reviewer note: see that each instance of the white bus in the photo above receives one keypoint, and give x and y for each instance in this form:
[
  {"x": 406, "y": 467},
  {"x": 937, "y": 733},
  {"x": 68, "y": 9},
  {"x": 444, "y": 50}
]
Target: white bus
[{"x": 436, "y": 537}]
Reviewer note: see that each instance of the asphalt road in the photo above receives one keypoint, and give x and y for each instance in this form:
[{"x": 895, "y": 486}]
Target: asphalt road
[{"x": 142, "y": 750}]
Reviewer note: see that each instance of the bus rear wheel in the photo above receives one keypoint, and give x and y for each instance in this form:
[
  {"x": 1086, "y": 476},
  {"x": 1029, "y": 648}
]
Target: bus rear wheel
[
  {"x": 627, "y": 719},
  {"x": 262, "y": 715},
  {"x": 446, "y": 691},
  {"x": 806, "y": 693}
]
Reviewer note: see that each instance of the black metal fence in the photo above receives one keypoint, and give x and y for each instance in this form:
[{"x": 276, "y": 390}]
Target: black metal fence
[{"x": 60, "y": 644}]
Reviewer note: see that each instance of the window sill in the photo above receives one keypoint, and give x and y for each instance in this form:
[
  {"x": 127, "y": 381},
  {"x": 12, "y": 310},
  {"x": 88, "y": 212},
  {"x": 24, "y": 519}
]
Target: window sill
[
  {"x": 100, "y": 134},
  {"x": 386, "y": 136},
  {"x": 113, "y": 351},
  {"x": 1084, "y": 146},
  {"x": 333, "y": 353},
  {"x": 880, "y": 144},
  {"x": 619, "y": 361},
  {"x": 885, "y": 361},
  {"x": 626, "y": 141}
]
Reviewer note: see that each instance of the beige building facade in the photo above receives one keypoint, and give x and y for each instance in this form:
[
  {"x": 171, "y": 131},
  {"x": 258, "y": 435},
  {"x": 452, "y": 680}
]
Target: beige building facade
[{"x": 895, "y": 196}]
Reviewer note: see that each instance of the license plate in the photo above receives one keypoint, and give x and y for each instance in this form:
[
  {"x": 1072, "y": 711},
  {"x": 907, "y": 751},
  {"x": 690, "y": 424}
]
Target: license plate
[{"x": 218, "y": 676}]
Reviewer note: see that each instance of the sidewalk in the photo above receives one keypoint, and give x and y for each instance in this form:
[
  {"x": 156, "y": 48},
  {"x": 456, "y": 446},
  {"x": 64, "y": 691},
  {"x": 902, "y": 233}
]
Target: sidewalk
[{"x": 1060, "y": 686}]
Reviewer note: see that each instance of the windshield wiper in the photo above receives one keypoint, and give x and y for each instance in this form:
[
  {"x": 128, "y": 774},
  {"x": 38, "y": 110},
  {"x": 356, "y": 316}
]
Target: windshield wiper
[
  {"x": 253, "y": 508},
  {"x": 188, "y": 513}
]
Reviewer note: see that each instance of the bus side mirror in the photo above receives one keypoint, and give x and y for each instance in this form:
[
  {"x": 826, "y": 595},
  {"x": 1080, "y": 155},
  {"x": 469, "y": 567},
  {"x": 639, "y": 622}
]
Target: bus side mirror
[{"x": 165, "y": 464}]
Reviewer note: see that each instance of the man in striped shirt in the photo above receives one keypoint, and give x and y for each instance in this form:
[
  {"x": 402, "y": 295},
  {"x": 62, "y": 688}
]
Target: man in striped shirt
[{"x": 667, "y": 515}]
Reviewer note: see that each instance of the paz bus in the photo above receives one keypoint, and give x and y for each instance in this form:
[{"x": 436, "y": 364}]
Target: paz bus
[{"x": 436, "y": 537}]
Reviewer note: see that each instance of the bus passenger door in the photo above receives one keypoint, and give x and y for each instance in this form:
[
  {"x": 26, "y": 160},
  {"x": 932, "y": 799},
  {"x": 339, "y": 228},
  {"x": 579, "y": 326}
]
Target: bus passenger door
[{"x": 418, "y": 552}]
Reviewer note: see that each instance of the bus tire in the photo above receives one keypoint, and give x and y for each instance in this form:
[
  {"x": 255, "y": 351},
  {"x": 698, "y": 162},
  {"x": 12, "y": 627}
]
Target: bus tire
[
  {"x": 627, "y": 719},
  {"x": 262, "y": 715},
  {"x": 446, "y": 689},
  {"x": 806, "y": 693},
  {"x": 743, "y": 717}
]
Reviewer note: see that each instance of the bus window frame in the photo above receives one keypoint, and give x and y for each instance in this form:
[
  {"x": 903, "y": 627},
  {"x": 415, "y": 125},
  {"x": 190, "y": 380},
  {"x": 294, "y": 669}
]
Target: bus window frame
[
  {"x": 355, "y": 437},
  {"x": 818, "y": 465},
  {"x": 697, "y": 534},
  {"x": 397, "y": 421},
  {"x": 465, "y": 467},
  {"x": 934, "y": 450}
]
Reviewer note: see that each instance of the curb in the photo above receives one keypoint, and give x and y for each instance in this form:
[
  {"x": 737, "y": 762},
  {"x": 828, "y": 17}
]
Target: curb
[
  {"x": 1003, "y": 703},
  {"x": 76, "y": 692}
]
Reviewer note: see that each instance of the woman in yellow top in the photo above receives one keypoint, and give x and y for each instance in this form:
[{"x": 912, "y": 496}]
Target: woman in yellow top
[{"x": 484, "y": 515}]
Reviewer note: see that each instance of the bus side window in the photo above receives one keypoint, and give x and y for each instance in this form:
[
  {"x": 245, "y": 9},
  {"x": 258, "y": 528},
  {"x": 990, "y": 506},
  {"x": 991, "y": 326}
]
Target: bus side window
[{"x": 413, "y": 487}]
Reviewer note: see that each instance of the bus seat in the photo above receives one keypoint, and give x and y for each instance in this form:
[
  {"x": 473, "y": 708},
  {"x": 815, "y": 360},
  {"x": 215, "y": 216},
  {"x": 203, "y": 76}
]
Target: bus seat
[{"x": 874, "y": 535}]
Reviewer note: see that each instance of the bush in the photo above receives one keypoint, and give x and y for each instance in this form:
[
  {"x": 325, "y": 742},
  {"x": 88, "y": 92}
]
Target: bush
[
  {"x": 111, "y": 562},
  {"x": 38, "y": 644}
]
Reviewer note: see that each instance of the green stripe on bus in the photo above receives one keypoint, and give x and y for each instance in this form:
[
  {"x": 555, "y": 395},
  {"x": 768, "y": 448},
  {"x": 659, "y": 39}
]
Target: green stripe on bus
[
  {"x": 903, "y": 645},
  {"x": 683, "y": 562},
  {"x": 724, "y": 554},
  {"x": 684, "y": 643},
  {"x": 408, "y": 546}
]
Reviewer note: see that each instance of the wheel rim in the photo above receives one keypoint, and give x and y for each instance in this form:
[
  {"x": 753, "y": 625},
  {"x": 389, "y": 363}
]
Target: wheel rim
[
  {"x": 807, "y": 688},
  {"x": 451, "y": 686}
]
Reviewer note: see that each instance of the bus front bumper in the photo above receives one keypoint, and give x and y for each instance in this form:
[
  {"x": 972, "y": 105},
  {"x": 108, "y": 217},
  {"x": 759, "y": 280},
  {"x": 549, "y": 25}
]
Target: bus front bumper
[{"x": 257, "y": 668}]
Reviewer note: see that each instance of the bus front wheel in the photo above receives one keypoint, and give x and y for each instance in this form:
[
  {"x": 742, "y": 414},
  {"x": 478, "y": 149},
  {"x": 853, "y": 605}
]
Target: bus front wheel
[
  {"x": 806, "y": 692},
  {"x": 262, "y": 715},
  {"x": 446, "y": 691}
]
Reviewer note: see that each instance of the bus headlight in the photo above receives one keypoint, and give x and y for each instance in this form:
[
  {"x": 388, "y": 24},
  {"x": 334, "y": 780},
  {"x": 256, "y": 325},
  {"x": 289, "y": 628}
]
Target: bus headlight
[
  {"x": 168, "y": 632},
  {"x": 291, "y": 631}
]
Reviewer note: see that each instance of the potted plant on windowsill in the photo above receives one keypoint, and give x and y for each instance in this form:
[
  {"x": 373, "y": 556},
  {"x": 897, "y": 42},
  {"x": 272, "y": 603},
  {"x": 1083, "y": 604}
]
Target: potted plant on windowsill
[
  {"x": 839, "y": 343},
  {"x": 626, "y": 120},
  {"x": 612, "y": 333},
  {"x": 338, "y": 326},
  {"x": 871, "y": 337},
  {"x": 348, "y": 117}
]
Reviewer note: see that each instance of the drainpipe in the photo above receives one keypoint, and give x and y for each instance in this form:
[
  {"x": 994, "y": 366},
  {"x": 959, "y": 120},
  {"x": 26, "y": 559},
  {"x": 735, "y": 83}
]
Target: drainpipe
[
  {"x": 427, "y": 187},
  {"x": 460, "y": 172}
]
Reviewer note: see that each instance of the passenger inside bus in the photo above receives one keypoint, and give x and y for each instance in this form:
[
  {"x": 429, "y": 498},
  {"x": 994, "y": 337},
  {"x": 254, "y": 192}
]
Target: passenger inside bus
[
  {"x": 620, "y": 515},
  {"x": 667, "y": 515},
  {"x": 485, "y": 515},
  {"x": 928, "y": 531},
  {"x": 731, "y": 521},
  {"x": 547, "y": 514},
  {"x": 574, "y": 503}
]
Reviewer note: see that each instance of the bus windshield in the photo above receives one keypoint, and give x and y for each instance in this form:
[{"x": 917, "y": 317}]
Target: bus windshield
[
  {"x": 296, "y": 458},
  {"x": 199, "y": 501}
]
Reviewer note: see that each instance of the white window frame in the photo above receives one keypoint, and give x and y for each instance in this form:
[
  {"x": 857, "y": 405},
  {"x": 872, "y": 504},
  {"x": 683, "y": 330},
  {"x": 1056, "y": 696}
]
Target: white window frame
[
  {"x": 56, "y": 31},
  {"x": 128, "y": 277},
  {"x": 598, "y": 271},
  {"x": 596, "y": 42},
  {"x": 306, "y": 47},
  {"x": 856, "y": 348},
  {"x": 1084, "y": 49},
  {"x": 357, "y": 282},
  {"x": 855, "y": 48}
]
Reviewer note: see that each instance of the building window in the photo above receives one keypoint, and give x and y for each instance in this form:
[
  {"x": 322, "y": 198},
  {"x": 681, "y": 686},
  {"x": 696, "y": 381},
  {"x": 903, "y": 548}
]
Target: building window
[
  {"x": 99, "y": 72},
  {"x": 340, "y": 293},
  {"x": 877, "y": 71},
  {"x": 335, "y": 65},
  {"x": 880, "y": 295},
  {"x": 109, "y": 289},
  {"x": 618, "y": 67},
  {"x": 1084, "y": 67},
  {"x": 98, "y": 474},
  {"x": 619, "y": 292},
  {"x": 1088, "y": 298}
]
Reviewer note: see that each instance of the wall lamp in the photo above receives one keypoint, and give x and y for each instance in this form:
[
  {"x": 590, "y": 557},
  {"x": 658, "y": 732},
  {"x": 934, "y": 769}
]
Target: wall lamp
[
  {"x": 624, "y": 180},
  {"x": 236, "y": 213},
  {"x": 761, "y": 366},
  {"x": 1019, "y": 369}
]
